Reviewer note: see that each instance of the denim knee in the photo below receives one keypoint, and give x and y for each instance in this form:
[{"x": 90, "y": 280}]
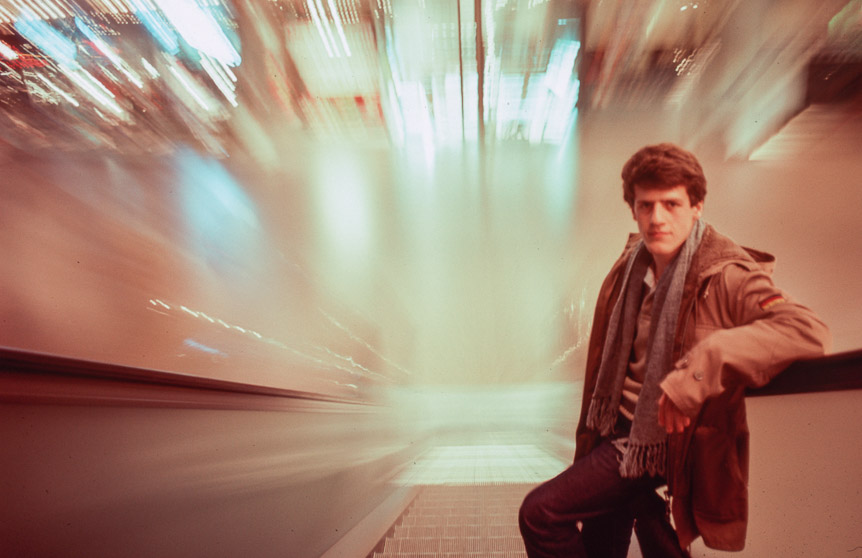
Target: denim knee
[{"x": 532, "y": 515}]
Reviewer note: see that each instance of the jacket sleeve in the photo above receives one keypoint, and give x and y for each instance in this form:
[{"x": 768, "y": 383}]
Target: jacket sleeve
[{"x": 759, "y": 331}]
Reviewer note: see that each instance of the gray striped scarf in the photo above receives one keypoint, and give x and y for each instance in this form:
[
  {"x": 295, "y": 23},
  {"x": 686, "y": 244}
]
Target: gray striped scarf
[{"x": 647, "y": 446}]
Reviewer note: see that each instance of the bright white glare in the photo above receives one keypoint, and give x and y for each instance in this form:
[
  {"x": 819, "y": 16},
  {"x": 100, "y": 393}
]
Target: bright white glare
[
  {"x": 453, "y": 107},
  {"x": 59, "y": 91},
  {"x": 363, "y": 342},
  {"x": 560, "y": 65},
  {"x": 494, "y": 434},
  {"x": 109, "y": 6},
  {"x": 216, "y": 204},
  {"x": 337, "y": 361},
  {"x": 228, "y": 72},
  {"x": 539, "y": 116},
  {"x": 512, "y": 112},
  {"x": 312, "y": 8},
  {"x": 50, "y": 8},
  {"x": 157, "y": 28},
  {"x": 200, "y": 30},
  {"x": 560, "y": 79},
  {"x": 203, "y": 348},
  {"x": 190, "y": 88},
  {"x": 7, "y": 52},
  {"x": 322, "y": 11},
  {"x": 335, "y": 15},
  {"x": 394, "y": 111},
  {"x": 479, "y": 464},
  {"x": 345, "y": 207},
  {"x": 133, "y": 77},
  {"x": 225, "y": 86},
  {"x": 492, "y": 61},
  {"x": 47, "y": 39},
  {"x": 105, "y": 49},
  {"x": 417, "y": 118},
  {"x": 35, "y": 11},
  {"x": 189, "y": 311},
  {"x": 442, "y": 108},
  {"x": 36, "y": 91},
  {"x": 96, "y": 90},
  {"x": 154, "y": 73}
]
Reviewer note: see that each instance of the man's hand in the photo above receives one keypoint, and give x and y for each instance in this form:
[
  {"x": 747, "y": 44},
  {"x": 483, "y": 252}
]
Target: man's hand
[{"x": 670, "y": 417}]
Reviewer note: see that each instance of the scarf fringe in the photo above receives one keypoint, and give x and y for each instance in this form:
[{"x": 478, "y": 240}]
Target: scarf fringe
[
  {"x": 648, "y": 440},
  {"x": 602, "y": 415},
  {"x": 640, "y": 459}
]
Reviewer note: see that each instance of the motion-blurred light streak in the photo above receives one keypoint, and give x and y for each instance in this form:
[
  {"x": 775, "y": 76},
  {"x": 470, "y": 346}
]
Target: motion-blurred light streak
[
  {"x": 52, "y": 8},
  {"x": 160, "y": 303},
  {"x": 151, "y": 70},
  {"x": 420, "y": 210},
  {"x": 200, "y": 29},
  {"x": 363, "y": 342},
  {"x": 219, "y": 78},
  {"x": 418, "y": 118},
  {"x": 6, "y": 17},
  {"x": 29, "y": 10},
  {"x": 405, "y": 44},
  {"x": 156, "y": 26},
  {"x": 339, "y": 27},
  {"x": 59, "y": 91},
  {"x": 191, "y": 87},
  {"x": 323, "y": 356},
  {"x": 197, "y": 345},
  {"x": 111, "y": 6},
  {"x": 97, "y": 91},
  {"x": 213, "y": 200},
  {"x": 324, "y": 20},
  {"x": 47, "y": 39},
  {"x": 316, "y": 18},
  {"x": 109, "y": 53},
  {"x": 345, "y": 210}
]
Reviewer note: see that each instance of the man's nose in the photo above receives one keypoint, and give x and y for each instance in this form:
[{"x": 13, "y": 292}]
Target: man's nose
[{"x": 658, "y": 214}]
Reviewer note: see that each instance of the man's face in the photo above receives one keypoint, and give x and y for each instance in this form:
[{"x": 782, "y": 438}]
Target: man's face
[{"x": 665, "y": 218}]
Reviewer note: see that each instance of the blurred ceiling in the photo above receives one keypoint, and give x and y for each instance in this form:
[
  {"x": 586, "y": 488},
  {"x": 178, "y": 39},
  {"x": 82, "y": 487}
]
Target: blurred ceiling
[{"x": 243, "y": 77}]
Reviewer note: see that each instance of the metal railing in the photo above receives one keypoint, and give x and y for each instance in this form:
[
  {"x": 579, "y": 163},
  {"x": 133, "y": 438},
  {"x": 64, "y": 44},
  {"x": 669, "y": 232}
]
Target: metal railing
[
  {"x": 30, "y": 377},
  {"x": 837, "y": 372}
]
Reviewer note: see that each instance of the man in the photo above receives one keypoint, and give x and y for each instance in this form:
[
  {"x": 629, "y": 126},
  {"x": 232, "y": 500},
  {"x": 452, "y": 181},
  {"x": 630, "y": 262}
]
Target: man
[{"x": 685, "y": 321}]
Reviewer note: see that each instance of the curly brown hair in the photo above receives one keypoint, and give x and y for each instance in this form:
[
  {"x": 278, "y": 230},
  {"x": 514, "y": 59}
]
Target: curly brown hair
[{"x": 664, "y": 165}]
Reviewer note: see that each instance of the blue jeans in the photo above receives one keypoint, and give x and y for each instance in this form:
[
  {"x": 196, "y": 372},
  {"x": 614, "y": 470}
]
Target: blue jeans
[{"x": 589, "y": 510}]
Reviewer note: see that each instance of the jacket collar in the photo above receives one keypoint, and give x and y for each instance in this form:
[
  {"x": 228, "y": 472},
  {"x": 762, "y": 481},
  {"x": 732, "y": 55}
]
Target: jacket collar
[{"x": 715, "y": 252}]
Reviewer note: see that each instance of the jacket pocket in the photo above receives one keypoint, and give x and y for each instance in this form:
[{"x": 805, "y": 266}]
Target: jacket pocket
[{"x": 719, "y": 485}]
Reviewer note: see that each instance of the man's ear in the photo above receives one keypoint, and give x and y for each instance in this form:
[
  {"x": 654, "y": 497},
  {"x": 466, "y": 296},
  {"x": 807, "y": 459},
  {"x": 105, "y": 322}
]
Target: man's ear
[{"x": 698, "y": 209}]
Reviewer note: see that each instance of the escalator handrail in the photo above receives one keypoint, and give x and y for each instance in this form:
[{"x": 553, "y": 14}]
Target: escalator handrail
[
  {"x": 836, "y": 372},
  {"x": 33, "y": 367}
]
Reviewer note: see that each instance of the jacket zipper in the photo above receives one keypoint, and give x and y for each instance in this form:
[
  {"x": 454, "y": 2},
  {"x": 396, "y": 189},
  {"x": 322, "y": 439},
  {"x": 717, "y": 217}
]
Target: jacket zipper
[
  {"x": 676, "y": 464},
  {"x": 691, "y": 311}
]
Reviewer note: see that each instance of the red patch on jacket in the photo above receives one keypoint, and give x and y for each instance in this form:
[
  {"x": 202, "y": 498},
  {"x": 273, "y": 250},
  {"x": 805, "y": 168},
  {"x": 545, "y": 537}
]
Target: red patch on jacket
[{"x": 771, "y": 301}]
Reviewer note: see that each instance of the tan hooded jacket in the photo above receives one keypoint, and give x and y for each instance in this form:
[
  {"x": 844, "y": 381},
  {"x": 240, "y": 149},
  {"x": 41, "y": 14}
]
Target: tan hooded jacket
[{"x": 736, "y": 329}]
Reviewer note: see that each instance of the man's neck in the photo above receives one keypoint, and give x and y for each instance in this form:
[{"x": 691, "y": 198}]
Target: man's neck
[
  {"x": 658, "y": 268},
  {"x": 660, "y": 264}
]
